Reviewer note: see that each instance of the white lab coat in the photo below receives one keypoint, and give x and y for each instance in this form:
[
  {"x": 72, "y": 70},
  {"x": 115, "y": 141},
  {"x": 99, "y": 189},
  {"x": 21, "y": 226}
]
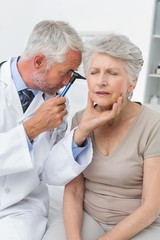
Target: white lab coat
[{"x": 23, "y": 172}]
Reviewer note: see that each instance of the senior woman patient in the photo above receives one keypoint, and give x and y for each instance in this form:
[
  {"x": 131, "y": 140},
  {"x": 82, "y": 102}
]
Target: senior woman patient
[{"x": 117, "y": 197}]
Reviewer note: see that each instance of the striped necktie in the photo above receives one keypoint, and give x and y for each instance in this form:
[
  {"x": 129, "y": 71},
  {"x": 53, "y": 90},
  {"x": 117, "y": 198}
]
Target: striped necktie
[{"x": 26, "y": 97}]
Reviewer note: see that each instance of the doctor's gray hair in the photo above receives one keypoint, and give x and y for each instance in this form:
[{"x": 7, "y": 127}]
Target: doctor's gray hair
[
  {"x": 118, "y": 46},
  {"x": 53, "y": 39}
]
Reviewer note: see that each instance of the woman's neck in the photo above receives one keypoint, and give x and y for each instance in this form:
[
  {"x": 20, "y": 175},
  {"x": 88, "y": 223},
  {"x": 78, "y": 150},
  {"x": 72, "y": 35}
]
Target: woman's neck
[{"x": 129, "y": 110}]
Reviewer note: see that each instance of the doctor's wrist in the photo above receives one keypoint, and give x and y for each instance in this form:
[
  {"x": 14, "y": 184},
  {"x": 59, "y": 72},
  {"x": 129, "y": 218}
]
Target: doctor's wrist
[{"x": 31, "y": 130}]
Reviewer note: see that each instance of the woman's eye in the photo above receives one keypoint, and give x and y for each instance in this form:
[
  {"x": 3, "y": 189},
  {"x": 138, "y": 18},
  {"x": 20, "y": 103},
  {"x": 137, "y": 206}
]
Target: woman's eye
[
  {"x": 93, "y": 72},
  {"x": 113, "y": 73}
]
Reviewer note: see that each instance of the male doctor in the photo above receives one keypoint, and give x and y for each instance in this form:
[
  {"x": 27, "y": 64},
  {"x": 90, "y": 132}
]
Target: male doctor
[{"x": 33, "y": 149}]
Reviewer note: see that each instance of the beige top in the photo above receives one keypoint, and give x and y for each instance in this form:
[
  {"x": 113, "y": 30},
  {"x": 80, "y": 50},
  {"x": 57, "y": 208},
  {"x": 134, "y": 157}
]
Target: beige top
[{"x": 113, "y": 184}]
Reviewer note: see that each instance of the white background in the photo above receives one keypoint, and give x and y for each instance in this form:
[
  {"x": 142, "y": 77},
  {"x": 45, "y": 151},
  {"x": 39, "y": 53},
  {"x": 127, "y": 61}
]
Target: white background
[{"x": 131, "y": 17}]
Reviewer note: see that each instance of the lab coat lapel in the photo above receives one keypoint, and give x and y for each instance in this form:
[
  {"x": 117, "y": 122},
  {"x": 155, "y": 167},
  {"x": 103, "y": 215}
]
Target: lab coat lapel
[
  {"x": 13, "y": 98},
  {"x": 9, "y": 89}
]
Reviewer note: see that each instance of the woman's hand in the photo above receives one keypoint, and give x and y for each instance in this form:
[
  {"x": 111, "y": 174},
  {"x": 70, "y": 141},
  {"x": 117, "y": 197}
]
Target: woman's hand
[{"x": 92, "y": 118}]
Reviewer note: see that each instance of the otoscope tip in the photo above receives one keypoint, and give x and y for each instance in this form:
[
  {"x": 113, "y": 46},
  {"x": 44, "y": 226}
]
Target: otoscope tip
[{"x": 77, "y": 75}]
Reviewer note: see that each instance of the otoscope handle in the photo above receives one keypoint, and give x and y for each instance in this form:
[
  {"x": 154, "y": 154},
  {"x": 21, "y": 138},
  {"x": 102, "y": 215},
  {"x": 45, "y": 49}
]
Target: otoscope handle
[{"x": 68, "y": 86}]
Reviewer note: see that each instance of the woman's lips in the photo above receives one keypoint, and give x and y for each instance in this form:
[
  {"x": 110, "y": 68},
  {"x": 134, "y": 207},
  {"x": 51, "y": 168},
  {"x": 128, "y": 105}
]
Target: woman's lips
[{"x": 102, "y": 93}]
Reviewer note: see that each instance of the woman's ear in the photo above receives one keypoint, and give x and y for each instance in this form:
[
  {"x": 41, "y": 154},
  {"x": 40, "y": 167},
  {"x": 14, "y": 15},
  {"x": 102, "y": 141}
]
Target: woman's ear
[{"x": 133, "y": 85}]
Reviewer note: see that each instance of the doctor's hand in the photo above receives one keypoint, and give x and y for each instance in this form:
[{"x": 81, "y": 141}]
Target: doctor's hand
[
  {"x": 48, "y": 116},
  {"x": 92, "y": 118}
]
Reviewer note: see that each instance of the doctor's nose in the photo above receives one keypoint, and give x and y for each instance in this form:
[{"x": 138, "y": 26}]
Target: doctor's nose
[{"x": 66, "y": 79}]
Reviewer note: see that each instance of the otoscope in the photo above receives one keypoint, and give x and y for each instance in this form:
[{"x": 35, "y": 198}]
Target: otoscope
[{"x": 73, "y": 78}]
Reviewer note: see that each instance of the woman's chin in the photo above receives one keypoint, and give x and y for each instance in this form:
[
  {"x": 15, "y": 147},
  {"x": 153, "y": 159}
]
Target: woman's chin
[{"x": 104, "y": 107}]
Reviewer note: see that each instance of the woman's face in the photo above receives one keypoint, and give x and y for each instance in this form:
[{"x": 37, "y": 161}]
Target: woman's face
[{"x": 107, "y": 80}]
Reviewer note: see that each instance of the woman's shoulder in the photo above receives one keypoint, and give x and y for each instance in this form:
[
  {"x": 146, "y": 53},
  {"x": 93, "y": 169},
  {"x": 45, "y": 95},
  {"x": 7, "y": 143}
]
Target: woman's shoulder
[
  {"x": 78, "y": 115},
  {"x": 149, "y": 117},
  {"x": 151, "y": 111}
]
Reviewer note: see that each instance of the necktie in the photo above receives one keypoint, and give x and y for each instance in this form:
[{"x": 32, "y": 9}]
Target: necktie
[{"x": 26, "y": 98}]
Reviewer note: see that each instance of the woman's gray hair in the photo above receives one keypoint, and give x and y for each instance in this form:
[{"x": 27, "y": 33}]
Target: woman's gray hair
[
  {"x": 117, "y": 46},
  {"x": 53, "y": 39}
]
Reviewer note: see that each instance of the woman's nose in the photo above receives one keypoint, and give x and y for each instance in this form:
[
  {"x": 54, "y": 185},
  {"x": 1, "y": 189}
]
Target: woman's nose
[{"x": 102, "y": 79}]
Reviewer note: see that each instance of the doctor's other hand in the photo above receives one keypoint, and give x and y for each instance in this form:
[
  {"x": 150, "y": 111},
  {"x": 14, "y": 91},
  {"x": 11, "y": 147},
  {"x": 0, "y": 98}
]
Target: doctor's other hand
[
  {"x": 92, "y": 118},
  {"x": 48, "y": 116}
]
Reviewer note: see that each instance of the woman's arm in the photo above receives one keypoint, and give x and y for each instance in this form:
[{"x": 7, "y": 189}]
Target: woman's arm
[
  {"x": 149, "y": 209},
  {"x": 73, "y": 208}
]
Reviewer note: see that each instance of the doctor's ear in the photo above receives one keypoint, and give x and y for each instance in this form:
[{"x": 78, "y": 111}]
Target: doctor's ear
[{"x": 39, "y": 61}]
